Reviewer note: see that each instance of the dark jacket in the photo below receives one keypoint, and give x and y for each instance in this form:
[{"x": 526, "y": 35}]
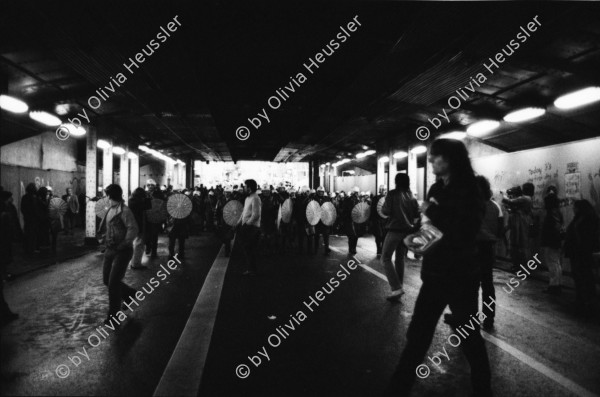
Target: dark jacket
[
  {"x": 582, "y": 237},
  {"x": 551, "y": 229},
  {"x": 138, "y": 205},
  {"x": 402, "y": 209},
  {"x": 458, "y": 216}
]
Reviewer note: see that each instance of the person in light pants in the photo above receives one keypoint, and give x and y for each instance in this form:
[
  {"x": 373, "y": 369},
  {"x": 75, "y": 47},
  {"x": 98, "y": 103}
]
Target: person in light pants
[{"x": 139, "y": 203}]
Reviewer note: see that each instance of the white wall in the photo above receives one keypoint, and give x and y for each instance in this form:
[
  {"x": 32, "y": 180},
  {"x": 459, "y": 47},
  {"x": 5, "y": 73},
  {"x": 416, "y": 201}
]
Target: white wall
[{"x": 364, "y": 183}]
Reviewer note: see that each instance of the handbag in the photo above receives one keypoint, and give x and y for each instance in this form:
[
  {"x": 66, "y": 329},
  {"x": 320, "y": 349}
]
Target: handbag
[{"x": 422, "y": 241}]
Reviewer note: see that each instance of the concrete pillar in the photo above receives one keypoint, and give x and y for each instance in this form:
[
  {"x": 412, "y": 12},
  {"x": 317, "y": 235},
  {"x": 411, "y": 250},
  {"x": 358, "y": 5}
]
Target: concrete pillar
[
  {"x": 124, "y": 180},
  {"x": 107, "y": 166},
  {"x": 392, "y": 169},
  {"x": 90, "y": 186},
  {"x": 412, "y": 170},
  {"x": 134, "y": 173}
]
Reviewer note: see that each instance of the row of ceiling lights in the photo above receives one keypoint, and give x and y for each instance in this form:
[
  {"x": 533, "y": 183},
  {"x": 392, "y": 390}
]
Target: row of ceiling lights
[
  {"x": 15, "y": 105},
  {"x": 569, "y": 101}
]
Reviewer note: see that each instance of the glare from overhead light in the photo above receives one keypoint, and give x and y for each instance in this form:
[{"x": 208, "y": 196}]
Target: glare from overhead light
[
  {"x": 132, "y": 155},
  {"x": 384, "y": 159},
  {"x": 45, "y": 118},
  {"x": 400, "y": 155},
  {"x": 418, "y": 149},
  {"x": 102, "y": 144},
  {"x": 322, "y": 166},
  {"x": 118, "y": 150},
  {"x": 327, "y": 164},
  {"x": 482, "y": 127},
  {"x": 458, "y": 135},
  {"x": 360, "y": 155},
  {"x": 524, "y": 114},
  {"x": 578, "y": 98},
  {"x": 13, "y": 104},
  {"x": 76, "y": 130},
  {"x": 144, "y": 148}
]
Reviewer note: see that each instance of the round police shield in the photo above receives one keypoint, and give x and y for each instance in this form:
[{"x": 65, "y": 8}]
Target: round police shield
[
  {"x": 179, "y": 206},
  {"x": 361, "y": 212},
  {"x": 313, "y": 213},
  {"x": 102, "y": 206},
  {"x": 232, "y": 212},
  {"x": 57, "y": 207},
  {"x": 328, "y": 213},
  {"x": 380, "y": 204}
]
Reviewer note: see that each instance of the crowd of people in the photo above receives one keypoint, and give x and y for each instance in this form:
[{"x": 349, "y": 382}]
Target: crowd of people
[{"x": 274, "y": 219}]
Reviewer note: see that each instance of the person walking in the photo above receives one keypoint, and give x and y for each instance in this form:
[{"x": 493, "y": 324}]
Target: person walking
[
  {"x": 249, "y": 226},
  {"x": 403, "y": 211},
  {"x": 321, "y": 228},
  {"x": 352, "y": 229},
  {"x": 582, "y": 240},
  {"x": 449, "y": 272},
  {"x": 377, "y": 222},
  {"x": 551, "y": 242},
  {"x": 120, "y": 231},
  {"x": 72, "y": 210},
  {"x": 520, "y": 224},
  {"x": 139, "y": 203}
]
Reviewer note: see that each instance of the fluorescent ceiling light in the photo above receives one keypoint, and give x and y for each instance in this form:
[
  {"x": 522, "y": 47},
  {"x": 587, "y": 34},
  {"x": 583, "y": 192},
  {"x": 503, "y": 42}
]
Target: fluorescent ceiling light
[
  {"x": 13, "y": 104},
  {"x": 400, "y": 155},
  {"x": 482, "y": 127},
  {"x": 322, "y": 166},
  {"x": 132, "y": 156},
  {"x": 102, "y": 144},
  {"x": 458, "y": 135},
  {"x": 327, "y": 163},
  {"x": 118, "y": 150},
  {"x": 418, "y": 149},
  {"x": 524, "y": 114},
  {"x": 73, "y": 130},
  {"x": 45, "y": 118},
  {"x": 384, "y": 159},
  {"x": 578, "y": 98},
  {"x": 144, "y": 148},
  {"x": 351, "y": 172}
]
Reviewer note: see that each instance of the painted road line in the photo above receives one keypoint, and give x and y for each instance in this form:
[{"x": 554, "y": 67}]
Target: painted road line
[
  {"x": 183, "y": 373},
  {"x": 541, "y": 368},
  {"x": 524, "y": 358}
]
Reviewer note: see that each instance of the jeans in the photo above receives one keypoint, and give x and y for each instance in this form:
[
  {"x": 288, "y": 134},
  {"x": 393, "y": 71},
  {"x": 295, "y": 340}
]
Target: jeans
[
  {"x": 552, "y": 258},
  {"x": 462, "y": 296},
  {"x": 486, "y": 259},
  {"x": 393, "y": 243},
  {"x": 249, "y": 238},
  {"x": 181, "y": 251},
  {"x": 113, "y": 271},
  {"x": 138, "y": 251},
  {"x": 151, "y": 237}
]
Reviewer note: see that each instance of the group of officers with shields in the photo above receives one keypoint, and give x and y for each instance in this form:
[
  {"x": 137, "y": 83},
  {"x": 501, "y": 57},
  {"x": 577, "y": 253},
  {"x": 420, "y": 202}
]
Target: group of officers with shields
[{"x": 304, "y": 216}]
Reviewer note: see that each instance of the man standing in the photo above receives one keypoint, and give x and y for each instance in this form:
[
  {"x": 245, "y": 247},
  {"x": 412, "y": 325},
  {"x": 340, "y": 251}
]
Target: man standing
[
  {"x": 349, "y": 225},
  {"x": 72, "y": 210},
  {"x": 249, "y": 226}
]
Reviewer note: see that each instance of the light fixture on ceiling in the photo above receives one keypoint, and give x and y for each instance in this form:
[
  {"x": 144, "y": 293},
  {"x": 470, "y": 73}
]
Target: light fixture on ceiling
[
  {"x": 118, "y": 150},
  {"x": 327, "y": 164},
  {"x": 132, "y": 156},
  {"x": 45, "y": 118},
  {"x": 74, "y": 130},
  {"x": 384, "y": 159},
  {"x": 418, "y": 149},
  {"x": 102, "y": 144},
  {"x": 400, "y": 155},
  {"x": 365, "y": 154},
  {"x": 482, "y": 127},
  {"x": 13, "y": 104},
  {"x": 525, "y": 114},
  {"x": 144, "y": 148},
  {"x": 458, "y": 135},
  {"x": 62, "y": 109},
  {"x": 578, "y": 98}
]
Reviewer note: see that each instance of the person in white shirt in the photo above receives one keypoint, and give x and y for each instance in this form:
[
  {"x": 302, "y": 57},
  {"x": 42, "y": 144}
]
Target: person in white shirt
[{"x": 249, "y": 226}]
